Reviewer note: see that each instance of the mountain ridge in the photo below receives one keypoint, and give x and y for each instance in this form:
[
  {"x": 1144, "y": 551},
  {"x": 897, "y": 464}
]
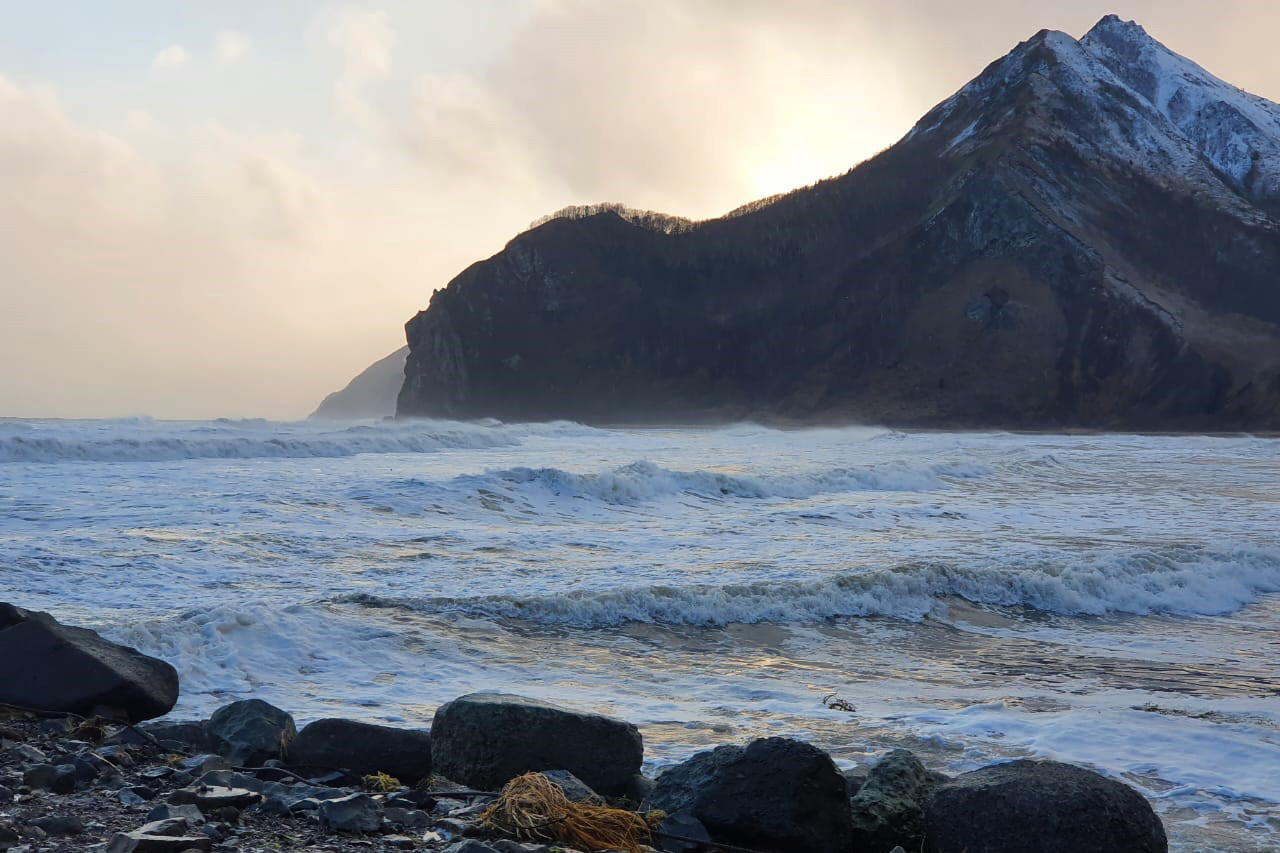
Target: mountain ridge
[{"x": 1045, "y": 248}]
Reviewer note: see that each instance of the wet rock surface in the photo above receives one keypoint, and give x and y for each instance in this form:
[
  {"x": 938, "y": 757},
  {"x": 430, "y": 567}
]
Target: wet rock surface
[
  {"x": 49, "y": 666},
  {"x": 774, "y": 793},
  {"x": 487, "y": 739},
  {"x": 364, "y": 748},
  {"x": 1042, "y": 806}
]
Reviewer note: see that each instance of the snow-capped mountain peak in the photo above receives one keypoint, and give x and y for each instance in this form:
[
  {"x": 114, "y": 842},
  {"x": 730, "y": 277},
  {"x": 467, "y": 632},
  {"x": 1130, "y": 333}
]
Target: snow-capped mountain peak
[{"x": 1236, "y": 132}]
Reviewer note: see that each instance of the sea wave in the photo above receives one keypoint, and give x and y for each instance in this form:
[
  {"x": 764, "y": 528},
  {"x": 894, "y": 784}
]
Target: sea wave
[
  {"x": 1180, "y": 582},
  {"x": 249, "y": 439},
  {"x": 643, "y": 480}
]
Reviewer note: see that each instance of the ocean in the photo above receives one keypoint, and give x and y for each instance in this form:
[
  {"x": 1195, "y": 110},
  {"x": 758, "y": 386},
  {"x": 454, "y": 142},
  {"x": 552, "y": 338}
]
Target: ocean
[{"x": 1108, "y": 600}]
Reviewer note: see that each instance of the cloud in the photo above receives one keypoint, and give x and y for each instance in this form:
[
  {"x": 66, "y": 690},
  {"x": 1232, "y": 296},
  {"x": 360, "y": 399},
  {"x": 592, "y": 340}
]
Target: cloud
[
  {"x": 173, "y": 56},
  {"x": 230, "y": 46},
  {"x": 366, "y": 41}
]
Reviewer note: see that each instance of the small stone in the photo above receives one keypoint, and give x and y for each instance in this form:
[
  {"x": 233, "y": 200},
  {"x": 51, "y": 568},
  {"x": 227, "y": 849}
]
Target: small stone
[
  {"x": 139, "y": 842},
  {"x": 400, "y": 842},
  {"x": 61, "y": 778},
  {"x": 684, "y": 825},
  {"x": 6, "y": 795},
  {"x": 170, "y": 811},
  {"x": 29, "y": 753},
  {"x": 406, "y": 818},
  {"x": 59, "y": 825},
  {"x": 129, "y": 797},
  {"x": 217, "y": 797},
  {"x": 88, "y": 767},
  {"x": 198, "y": 765},
  {"x": 146, "y": 792},
  {"x": 575, "y": 790},
  {"x": 356, "y": 813},
  {"x": 165, "y": 826}
]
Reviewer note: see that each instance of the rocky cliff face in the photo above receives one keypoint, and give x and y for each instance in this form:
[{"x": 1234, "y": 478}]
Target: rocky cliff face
[
  {"x": 1088, "y": 234},
  {"x": 372, "y": 394}
]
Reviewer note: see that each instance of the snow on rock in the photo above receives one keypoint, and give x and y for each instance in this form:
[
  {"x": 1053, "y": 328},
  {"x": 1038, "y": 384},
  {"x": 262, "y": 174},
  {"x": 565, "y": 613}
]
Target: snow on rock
[{"x": 1237, "y": 132}]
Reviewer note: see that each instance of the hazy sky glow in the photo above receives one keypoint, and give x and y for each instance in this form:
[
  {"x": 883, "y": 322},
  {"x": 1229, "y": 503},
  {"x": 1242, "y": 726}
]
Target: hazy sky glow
[{"x": 230, "y": 208}]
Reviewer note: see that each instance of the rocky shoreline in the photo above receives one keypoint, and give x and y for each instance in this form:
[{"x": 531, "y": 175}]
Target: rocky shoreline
[{"x": 80, "y": 770}]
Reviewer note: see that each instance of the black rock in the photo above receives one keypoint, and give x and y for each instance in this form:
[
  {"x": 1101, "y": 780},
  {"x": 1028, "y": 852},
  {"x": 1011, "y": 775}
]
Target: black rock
[
  {"x": 854, "y": 780},
  {"x": 354, "y": 813},
  {"x": 47, "y": 665},
  {"x": 1040, "y": 807},
  {"x": 185, "y": 735},
  {"x": 139, "y": 841},
  {"x": 487, "y": 739},
  {"x": 61, "y": 778},
  {"x": 575, "y": 790},
  {"x": 888, "y": 809},
  {"x": 172, "y": 811},
  {"x": 251, "y": 731},
  {"x": 363, "y": 748},
  {"x": 406, "y": 818},
  {"x": 775, "y": 793},
  {"x": 692, "y": 834},
  {"x": 59, "y": 824}
]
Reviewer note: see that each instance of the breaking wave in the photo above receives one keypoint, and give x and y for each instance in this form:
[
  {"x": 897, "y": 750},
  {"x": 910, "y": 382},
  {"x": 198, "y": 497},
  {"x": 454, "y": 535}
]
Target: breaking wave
[
  {"x": 158, "y": 441},
  {"x": 643, "y": 480},
  {"x": 1186, "y": 582}
]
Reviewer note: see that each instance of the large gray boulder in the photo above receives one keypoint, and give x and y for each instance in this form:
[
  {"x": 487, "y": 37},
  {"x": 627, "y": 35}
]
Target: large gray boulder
[
  {"x": 54, "y": 667},
  {"x": 251, "y": 731},
  {"x": 487, "y": 739},
  {"x": 1040, "y": 807},
  {"x": 888, "y": 807},
  {"x": 364, "y": 748},
  {"x": 774, "y": 794}
]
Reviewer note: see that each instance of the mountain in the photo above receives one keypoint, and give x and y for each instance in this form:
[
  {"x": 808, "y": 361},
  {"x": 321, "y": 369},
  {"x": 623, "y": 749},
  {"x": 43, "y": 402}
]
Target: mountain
[
  {"x": 372, "y": 394},
  {"x": 1087, "y": 234}
]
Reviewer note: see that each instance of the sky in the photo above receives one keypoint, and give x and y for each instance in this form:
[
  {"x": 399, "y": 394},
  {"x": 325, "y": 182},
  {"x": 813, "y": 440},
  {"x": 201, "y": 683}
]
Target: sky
[{"x": 228, "y": 208}]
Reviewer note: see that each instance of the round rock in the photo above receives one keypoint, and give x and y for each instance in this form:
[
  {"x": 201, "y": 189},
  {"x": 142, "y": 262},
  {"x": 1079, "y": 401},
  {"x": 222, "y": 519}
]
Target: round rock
[{"x": 1040, "y": 807}]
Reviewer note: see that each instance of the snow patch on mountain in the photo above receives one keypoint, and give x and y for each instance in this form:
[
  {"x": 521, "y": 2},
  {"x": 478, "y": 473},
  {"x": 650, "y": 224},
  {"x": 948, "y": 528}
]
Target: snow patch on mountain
[{"x": 1237, "y": 132}]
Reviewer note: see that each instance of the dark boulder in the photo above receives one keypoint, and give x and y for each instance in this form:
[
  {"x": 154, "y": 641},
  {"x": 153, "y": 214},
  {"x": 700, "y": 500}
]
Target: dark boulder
[
  {"x": 487, "y": 739},
  {"x": 775, "y": 793},
  {"x": 251, "y": 731},
  {"x": 363, "y": 748},
  {"x": 54, "y": 667},
  {"x": 1040, "y": 807},
  {"x": 888, "y": 808}
]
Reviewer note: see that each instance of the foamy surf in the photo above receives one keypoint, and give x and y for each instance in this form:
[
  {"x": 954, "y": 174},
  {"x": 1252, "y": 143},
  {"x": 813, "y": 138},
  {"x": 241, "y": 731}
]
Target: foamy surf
[
  {"x": 1180, "y": 583},
  {"x": 974, "y": 596}
]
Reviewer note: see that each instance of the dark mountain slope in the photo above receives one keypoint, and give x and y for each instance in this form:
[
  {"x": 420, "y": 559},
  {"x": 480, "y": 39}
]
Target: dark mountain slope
[
  {"x": 1055, "y": 245},
  {"x": 371, "y": 394}
]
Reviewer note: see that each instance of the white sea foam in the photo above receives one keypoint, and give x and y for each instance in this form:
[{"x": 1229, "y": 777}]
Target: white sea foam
[{"x": 711, "y": 592}]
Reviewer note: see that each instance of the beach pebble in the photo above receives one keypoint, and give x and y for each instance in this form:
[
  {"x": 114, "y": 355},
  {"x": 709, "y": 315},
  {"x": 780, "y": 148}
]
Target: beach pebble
[{"x": 354, "y": 813}]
